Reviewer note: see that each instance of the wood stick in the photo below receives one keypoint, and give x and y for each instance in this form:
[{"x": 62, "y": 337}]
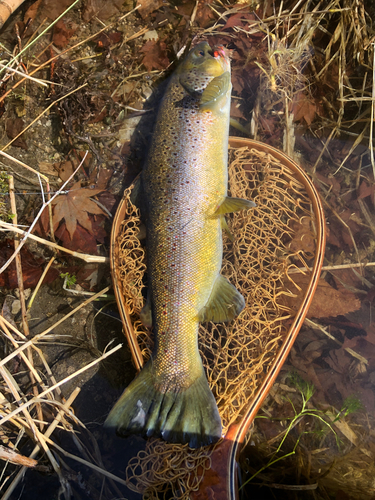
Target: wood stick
[{"x": 84, "y": 256}]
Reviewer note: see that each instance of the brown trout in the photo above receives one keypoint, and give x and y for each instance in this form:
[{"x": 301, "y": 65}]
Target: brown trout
[{"x": 184, "y": 188}]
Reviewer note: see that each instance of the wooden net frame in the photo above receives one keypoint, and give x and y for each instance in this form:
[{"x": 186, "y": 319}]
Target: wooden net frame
[{"x": 242, "y": 358}]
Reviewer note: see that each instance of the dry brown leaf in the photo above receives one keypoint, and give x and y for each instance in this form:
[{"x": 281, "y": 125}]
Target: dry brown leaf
[
  {"x": 31, "y": 12},
  {"x": 205, "y": 15},
  {"x": 102, "y": 9},
  {"x": 303, "y": 108},
  {"x": 47, "y": 168},
  {"x": 155, "y": 55},
  {"x": 53, "y": 9},
  {"x": 327, "y": 301},
  {"x": 62, "y": 34},
  {"x": 13, "y": 127},
  {"x": 303, "y": 238},
  {"x": 65, "y": 169},
  {"x": 148, "y": 6},
  {"x": 74, "y": 208}
]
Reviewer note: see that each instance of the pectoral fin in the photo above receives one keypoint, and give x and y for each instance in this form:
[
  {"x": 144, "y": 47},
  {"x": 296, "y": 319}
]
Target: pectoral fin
[
  {"x": 215, "y": 90},
  {"x": 230, "y": 205},
  {"x": 135, "y": 195},
  {"x": 224, "y": 303},
  {"x": 146, "y": 313}
]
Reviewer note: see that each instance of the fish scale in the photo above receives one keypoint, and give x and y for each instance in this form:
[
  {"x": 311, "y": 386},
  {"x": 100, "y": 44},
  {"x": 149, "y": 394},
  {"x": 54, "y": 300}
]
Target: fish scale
[{"x": 184, "y": 193}]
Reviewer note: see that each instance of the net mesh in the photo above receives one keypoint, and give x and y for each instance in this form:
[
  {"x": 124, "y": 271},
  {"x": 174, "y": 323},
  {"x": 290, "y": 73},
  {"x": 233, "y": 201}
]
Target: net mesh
[{"x": 268, "y": 243}]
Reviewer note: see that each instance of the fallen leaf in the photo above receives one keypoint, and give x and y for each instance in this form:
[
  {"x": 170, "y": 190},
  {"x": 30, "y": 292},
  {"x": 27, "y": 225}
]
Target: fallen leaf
[
  {"x": 82, "y": 240},
  {"x": 32, "y": 267},
  {"x": 303, "y": 238},
  {"x": 102, "y": 9},
  {"x": 240, "y": 19},
  {"x": 205, "y": 15},
  {"x": 366, "y": 190},
  {"x": 100, "y": 177},
  {"x": 62, "y": 34},
  {"x": 303, "y": 108},
  {"x": 31, "y": 12},
  {"x": 155, "y": 55},
  {"x": 13, "y": 127},
  {"x": 65, "y": 169},
  {"x": 148, "y": 6},
  {"x": 327, "y": 301},
  {"x": 74, "y": 208},
  {"x": 105, "y": 40},
  {"x": 53, "y": 9},
  {"x": 47, "y": 168}
]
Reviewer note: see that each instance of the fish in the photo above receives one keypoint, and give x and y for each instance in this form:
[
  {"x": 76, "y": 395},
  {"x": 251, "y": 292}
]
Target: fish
[{"x": 184, "y": 191}]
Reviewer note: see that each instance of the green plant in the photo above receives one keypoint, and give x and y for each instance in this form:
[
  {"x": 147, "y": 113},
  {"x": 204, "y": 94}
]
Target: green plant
[
  {"x": 69, "y": 279},
  {"x": 4, "y": 191},
  {"x": 306, "y": 390}
]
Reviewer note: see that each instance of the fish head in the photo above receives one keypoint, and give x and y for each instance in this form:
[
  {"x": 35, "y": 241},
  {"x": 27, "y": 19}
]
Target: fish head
[{"x": 205, "y": 61}]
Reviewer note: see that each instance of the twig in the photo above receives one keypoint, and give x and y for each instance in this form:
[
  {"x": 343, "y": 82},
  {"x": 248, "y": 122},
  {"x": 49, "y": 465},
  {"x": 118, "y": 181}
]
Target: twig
[
  {"x": 25, "y": 323},
  {"x": 18, "y": 257},
  {"x": 61, "y": 382},
  {"x": 47, "y": 434},
  {"x": 42, "y": 113},
  {"x": 372, "y": 112},
  {"x": 7, "y": 7},
  {"x": 15, "y": 458},
  {"x": 332, "y": 268},
  {"x": 84, "y": 256},
  {"x": 28, "y": 232},
  {"x": 39, "y": 283},
  {"x": 55, "y": 325},
  {"x": 44, "y": 177},
  {"x": 69, "y": 49},
  {"x": 316, "y": 326},
  {"x": 41, "y": 82}
]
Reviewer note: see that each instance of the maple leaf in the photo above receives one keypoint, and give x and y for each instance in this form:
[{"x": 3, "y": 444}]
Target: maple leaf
[
  {"x": 74, "y": 208},
  {"x": 303, "y": 108},
  {"x": 155, "y": 55}
]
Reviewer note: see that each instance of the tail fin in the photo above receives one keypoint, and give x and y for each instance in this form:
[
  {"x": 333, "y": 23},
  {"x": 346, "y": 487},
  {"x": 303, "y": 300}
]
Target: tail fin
[{"x": 182, "y": 416}]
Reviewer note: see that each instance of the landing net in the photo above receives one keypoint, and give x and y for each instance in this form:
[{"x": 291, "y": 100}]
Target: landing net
[{"x": 269, "y": 241}]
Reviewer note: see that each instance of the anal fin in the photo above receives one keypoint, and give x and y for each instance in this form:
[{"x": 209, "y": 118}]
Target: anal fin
[{"x": 224, "y": 303}]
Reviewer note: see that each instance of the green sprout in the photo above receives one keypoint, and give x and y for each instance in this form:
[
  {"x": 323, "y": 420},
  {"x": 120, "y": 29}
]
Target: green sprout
[
  {"x": 4, "y": 190},
  {"x": 307, "y": 389},
  {"x": 69, "y": 279}
]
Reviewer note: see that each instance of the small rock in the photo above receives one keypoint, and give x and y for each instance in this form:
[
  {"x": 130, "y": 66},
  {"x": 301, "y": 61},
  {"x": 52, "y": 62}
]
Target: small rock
[
  {"x": 16, "y": 307},
  {"x": 151, "y": 35}
]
